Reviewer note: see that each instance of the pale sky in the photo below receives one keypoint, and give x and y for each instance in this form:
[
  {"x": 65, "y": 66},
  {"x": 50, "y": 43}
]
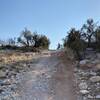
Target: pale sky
[{"x": 50, "y": 17}]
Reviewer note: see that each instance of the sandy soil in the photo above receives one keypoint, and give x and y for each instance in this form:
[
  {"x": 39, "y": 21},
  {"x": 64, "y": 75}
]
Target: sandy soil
[{"x": 50, "y": 79}]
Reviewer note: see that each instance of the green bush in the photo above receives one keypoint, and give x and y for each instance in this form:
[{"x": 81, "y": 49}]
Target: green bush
[{"x": 74, "y": 42}]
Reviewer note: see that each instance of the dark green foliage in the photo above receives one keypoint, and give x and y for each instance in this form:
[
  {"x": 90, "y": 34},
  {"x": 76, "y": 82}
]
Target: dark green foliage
[
  {"x": 27, "y": 41},
  {"x": 88, "y": 32},
  {"x": 87, "y": 37},
  {"x": 73, "y": 41},
  {"x": 26, "y": 38},
  {"x": 35, "y": 40},
  {"x": 44, "y": 42},
  {"x": 9, "y": 47}
]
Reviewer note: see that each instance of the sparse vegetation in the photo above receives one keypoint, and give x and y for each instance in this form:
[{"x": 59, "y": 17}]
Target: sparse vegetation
[
  {"x": 12, "y": 57},
  {"x": 27, "y": 41},
  {"x": 87, "y": 37}
]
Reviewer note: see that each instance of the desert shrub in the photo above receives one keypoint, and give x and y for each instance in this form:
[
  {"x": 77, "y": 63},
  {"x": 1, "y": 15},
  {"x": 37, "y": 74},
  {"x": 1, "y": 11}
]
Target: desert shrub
[
  {"x": 9, "y": 47},
  {"x": 88, "y": 32},
  {"x": 33, "y": 40},
  {"x": 74, "y": 42}
]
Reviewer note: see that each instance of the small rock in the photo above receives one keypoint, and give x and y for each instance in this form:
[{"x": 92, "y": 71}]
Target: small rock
[
  {"x": 98, "y": 83},
  {"x": 83, "y": 62},
  {"x": 97, "y": 66},
  {"x": 84, "y": 91},
  {"x": 97, "y": 97},
  {"x": 84, "y": 73},
  {"x": 7, "y": 82},
  {"x": 2, "y": 74},
  {"x": 89, "y": 49},
  {"x": 93, "y": 73},
  {"x": 90, "y": 97},
  {"x": 48, "y": 76},
  {"x": 95, "y": 79},
  {"x": 89, "y": 65},
  {"x": 1, "y": 91},
  {"x": 95, "y": 61},
  {"x": 83, "y": 85},
  {"x": 1, "y": 82}
]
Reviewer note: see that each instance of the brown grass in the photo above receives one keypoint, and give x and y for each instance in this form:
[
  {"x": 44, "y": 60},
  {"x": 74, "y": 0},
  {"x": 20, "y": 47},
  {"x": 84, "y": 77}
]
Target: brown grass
[{"x": 15, "y": 57}]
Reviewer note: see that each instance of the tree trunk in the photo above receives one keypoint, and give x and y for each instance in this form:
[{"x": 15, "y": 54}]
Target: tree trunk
[
  {"x": 78, "y": 55},
  {"x": 27, "y": 43},
  {"x": 89, "y": 41}
]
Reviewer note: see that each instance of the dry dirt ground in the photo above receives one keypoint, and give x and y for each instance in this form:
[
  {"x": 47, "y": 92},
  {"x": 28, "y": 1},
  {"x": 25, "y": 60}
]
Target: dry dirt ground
[{"x": 50, "y": 79}]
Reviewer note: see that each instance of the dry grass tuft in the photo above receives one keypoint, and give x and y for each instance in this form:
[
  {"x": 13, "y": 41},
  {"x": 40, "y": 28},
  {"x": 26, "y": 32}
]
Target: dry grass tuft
[{"x": 15, "y": 57}]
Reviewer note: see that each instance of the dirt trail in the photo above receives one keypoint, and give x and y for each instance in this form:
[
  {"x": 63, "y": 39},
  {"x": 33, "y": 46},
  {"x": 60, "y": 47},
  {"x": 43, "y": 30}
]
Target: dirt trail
[{"x": 50, "y": 79}]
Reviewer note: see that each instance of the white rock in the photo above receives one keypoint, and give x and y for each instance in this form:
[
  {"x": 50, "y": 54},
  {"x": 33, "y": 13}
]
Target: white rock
[
  {"x": 48, "y": 76},
  {"x": 97, "y": 97},
  {"x": 84, "y": 91},
  {"x": 84, "y": 73},
  {"x": 90, "y": 97},
  {"x": 95, "y": 79},
  {"x": 93, "y": 73},
  {"x": 7, "y": 82},
  {"x": 98, "y": 83},
  {"x": 82, "y": 62},
  {"x": 83, "y": 85}
]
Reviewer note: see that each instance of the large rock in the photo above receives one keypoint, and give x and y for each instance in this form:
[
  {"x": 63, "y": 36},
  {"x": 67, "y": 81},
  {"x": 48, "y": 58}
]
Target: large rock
[{"x": 95, "y": 79}]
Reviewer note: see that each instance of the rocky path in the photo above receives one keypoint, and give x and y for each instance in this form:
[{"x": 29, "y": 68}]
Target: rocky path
[
  {"x": 87, "y": 75},
  {"x": 51, "y": 76},
  {"x": 50, "y": 79}
]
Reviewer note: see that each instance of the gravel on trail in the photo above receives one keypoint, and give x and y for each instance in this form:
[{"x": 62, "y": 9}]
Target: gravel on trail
[{"x": 47, "y": 79}]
